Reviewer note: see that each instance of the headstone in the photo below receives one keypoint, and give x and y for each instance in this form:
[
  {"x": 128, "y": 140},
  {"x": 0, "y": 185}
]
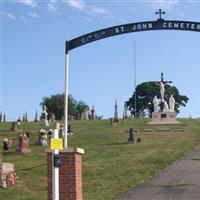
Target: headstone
[
  {"x": 1, "y": 117},
  {"x": 131, "y": 135},
  {"x": 19, "y": 121},
  {"x": 116, "y": 119},
  {"x": 50, "y": 135},
  {"x": 42, "y": 138},
  {"x": 93, "y": 115},
  {"x": 85, "y": 115},
  {"x": 14, "y": 127},
  {"x": 26, "y": 116},
  {"x": 36, "y": 119},
  {"x": 52, "y": 117},
  {"x": 44, "y": 117},
  {"x": 126, "y": 111},
  {"x": 5, "y": 170},
  {"x": 4, "y": 117},
  {"x": 23, "y": 144}
]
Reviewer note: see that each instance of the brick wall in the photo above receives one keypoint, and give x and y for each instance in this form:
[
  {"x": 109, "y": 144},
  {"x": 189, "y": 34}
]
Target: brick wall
[{"x": 70, "y": 174}]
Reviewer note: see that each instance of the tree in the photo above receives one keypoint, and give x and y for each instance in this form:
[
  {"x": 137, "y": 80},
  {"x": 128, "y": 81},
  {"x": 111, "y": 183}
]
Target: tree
[
  {"x": 55, "y": 105},
  {"x": 81, "y": 107},
  {"x": 145, "y": 93}
]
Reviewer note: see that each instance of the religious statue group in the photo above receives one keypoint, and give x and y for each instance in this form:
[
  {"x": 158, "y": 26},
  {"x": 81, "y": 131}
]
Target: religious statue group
[{"x": 166, "y": 107}]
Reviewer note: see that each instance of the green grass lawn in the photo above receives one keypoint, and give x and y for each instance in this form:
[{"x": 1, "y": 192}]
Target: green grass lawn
[{"x": 110, "y": 165}]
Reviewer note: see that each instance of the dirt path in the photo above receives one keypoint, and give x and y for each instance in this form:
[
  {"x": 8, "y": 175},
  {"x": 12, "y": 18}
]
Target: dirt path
[{"x": 179, "y": 181}]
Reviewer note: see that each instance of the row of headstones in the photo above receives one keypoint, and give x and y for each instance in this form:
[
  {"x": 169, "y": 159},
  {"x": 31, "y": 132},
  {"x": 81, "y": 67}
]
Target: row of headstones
[{"x": 91, "y": 115}]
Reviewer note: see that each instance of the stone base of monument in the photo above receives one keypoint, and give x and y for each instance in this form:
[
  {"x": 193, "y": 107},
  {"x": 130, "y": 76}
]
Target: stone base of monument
[
  {"x": 5, "y": 170},
  {"x": 44, "y": 123},
  {"x": 166, "y": 117}
]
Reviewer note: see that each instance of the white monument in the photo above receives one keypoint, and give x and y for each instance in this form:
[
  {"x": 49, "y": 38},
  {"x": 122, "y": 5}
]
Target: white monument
[
  {"x": 171, "y": 103},
  {"x": 36, "y": 119},
  {"x": 166, "y": 113},
  {"x": 155, "y": 104},
  {"x": 116, "y": 119},
  {"x": 44, "y": 117},
  {"x": 85, "y": 115},
  {"x": 125, "y": 111}
]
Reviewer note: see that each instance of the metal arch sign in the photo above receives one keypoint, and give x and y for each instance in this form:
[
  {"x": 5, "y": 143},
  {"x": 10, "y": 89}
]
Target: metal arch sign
[{"x": 160, "y": 24}]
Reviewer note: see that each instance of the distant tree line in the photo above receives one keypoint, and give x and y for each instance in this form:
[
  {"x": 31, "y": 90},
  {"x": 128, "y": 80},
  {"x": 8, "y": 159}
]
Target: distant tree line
[{"x": 55, "y": 105}]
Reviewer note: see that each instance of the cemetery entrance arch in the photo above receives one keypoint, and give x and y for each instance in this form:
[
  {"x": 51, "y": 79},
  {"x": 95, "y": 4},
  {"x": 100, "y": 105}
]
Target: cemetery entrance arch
[{"x": 159, "y": 24}]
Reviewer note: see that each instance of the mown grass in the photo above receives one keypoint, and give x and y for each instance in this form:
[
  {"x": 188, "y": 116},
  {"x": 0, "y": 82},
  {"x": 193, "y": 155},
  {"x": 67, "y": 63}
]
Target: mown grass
[{"x": 110, "y": 165}]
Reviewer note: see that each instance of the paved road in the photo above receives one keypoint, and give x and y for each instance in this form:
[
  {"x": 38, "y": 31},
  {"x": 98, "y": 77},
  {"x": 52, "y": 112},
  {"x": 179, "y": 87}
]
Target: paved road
[{"x": 179, "y": 181}]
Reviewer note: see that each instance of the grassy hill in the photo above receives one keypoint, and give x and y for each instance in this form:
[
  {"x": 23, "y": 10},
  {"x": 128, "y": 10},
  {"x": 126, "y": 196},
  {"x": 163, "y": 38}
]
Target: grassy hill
[{"x": 110, "y": 165}]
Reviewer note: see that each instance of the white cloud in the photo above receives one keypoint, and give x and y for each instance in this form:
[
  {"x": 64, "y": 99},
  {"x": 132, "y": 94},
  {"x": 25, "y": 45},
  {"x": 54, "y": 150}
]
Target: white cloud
[
  {"x": 9, "y": 15},
  {"x": 31, "y": 3},
  {"x": 99, "y": 10},
  {"x": 83, "y": 7},
  {"x": 52, "y": 7},
  {"x": 77, "y": 4},
  {"x": 33, "y": 14},
  {"x": 163, "y": 4}
]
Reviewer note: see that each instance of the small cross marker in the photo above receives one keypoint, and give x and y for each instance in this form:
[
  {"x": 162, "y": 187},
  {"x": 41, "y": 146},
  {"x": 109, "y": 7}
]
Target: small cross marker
[{"x": 160, "y": 13}]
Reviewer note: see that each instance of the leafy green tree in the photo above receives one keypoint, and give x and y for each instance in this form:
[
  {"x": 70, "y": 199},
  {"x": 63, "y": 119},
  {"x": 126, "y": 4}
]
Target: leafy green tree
[
  {"x": 145, "y": 93},
  {"x": 81, "y": 107},
  {"x": 55, "y": 105}
]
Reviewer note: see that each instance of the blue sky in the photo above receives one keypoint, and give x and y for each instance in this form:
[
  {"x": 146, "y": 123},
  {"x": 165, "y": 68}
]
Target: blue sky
[{"x": 33, "y": 35}]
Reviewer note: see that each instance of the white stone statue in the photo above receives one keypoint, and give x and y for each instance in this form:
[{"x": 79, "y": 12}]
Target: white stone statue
[
  {"x": 155, "y": 104},
  {"x": 166, "y": 107},
  {"x": 44, "y": 116},
  {"x": 171, "y": 103},
  {"x": 162, "y": 91}
]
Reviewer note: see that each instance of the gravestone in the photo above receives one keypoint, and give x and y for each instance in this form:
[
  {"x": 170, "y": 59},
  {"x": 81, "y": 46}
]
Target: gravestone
[
  {"x": 85, "y": 115},
  {"x": 26, "y": 116},
  {"x": 116, "y": 119},
  {"x": 14, "y": 127},
  {"x": 131, "y": 138},
  {"x": 125, "y": 111},
  {"x": 52, "y": 118},
  {"x": 5, "y": 170},
  {"x": 1, "y": 117},
  {"x": 44, "y": 117},
  {"x": 4, "y": 117},
  {"x": 42, "y": 138},
  {"x": 23, "y": 144},
  {"x": 36, "y": 119},
  {"x": 93, "y": 115}
]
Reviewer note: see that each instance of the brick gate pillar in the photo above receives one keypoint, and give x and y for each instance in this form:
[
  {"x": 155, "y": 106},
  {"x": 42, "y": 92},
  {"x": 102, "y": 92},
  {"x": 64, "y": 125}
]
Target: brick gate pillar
[{"x": 70, "y": 174}]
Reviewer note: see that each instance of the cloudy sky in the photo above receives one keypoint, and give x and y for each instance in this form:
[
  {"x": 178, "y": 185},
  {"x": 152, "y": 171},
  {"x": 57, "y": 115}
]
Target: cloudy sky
[{"x": 33, "y": 35}]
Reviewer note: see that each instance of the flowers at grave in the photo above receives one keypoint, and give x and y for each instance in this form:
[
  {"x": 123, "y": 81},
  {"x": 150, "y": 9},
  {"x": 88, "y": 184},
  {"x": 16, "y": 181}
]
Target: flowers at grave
[
  {"x": 7, "y": 144},
  {"x": 12, "y": 178}
]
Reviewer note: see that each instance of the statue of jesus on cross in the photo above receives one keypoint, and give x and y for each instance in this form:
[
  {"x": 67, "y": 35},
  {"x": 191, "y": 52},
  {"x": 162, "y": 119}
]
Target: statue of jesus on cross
[{"x": 162, "y": 84}]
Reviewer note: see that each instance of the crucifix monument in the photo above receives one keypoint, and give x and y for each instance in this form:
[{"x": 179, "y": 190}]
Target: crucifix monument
[
  {"x": 164, "y": 113},
  {"x": 162, "y": 84}
]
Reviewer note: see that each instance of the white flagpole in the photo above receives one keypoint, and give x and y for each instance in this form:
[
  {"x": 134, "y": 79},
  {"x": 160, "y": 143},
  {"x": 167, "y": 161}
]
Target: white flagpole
[
  {"x": 135, "y": 103},
  {"x": 66, "y": 94}
]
